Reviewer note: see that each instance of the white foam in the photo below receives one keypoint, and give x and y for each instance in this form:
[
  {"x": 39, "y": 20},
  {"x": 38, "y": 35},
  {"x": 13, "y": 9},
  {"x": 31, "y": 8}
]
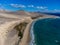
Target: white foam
[{"x": 32, "y": 42}]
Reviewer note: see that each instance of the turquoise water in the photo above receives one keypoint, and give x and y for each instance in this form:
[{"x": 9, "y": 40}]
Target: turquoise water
[{"x": 47, "y": 31}]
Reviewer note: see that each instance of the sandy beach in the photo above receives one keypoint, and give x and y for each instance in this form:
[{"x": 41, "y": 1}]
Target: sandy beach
[
  {"x": 18, "y": 19},
  {"x": 9, "y": 35}
]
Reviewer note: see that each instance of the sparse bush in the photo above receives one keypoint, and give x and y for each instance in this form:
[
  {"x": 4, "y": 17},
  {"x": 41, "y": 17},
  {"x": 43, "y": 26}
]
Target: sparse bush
[{"x": 21, "y": 27}]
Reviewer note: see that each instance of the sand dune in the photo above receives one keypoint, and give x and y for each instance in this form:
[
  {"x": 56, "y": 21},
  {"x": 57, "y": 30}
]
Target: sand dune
[{"x": 9, "y": 35}]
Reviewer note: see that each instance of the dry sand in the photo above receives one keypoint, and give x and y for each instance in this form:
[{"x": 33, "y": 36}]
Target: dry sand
[
  {"x": 9, "y": 21},
  {"x": 26, "y": 37}
]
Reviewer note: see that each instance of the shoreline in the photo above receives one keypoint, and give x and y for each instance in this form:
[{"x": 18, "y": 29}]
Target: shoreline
[
  {"x": 27, "y": 31},
  {"x": 25, "y": 40},
  {"x": 32, "y": 34}
]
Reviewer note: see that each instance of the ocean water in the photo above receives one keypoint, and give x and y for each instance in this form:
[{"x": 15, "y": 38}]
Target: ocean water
[
  {"x": 46, "y": 32},
  {"x": 56, "y": 14}
]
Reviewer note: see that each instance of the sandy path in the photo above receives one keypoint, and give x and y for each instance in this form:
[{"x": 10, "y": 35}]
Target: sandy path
[{"x": 26, "y": 37}]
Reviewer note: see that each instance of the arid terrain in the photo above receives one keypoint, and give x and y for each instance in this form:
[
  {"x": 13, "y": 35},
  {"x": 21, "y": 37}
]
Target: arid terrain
[{"x": 15, "y": 26}]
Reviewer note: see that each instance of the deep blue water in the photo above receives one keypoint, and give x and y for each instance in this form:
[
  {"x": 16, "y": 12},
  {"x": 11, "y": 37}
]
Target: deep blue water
[
  {"x": 50, "y": 13},
  {"x": 47, "y": 31},
  {"x": 56, "y": 14}
]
